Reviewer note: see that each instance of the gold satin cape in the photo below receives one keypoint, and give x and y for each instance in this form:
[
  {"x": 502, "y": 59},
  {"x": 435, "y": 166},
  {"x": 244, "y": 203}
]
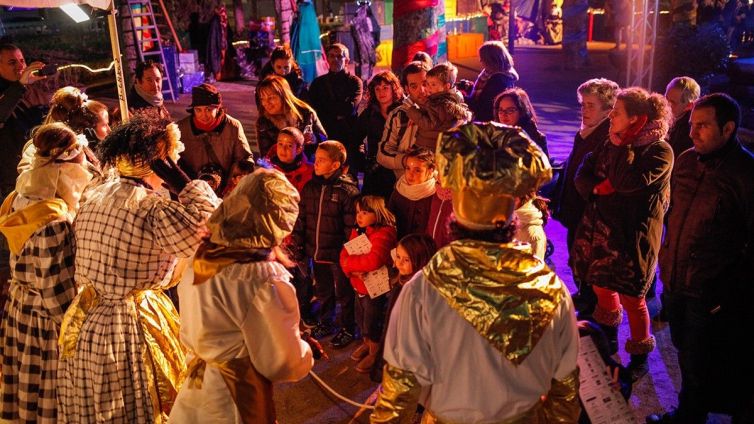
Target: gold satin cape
[
  {"x": 18, "y": 226},
  {"x": 509, "y": 297}
]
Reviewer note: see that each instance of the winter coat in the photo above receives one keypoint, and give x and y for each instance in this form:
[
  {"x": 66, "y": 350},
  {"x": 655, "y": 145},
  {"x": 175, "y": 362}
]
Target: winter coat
[
  {"x": 17, "y": 117},
  {"x": 411, "y": 216},
  {"x": 267, "y": 131},
  {"x": 370, "y": 124},
  {"x": 617, "y": 241},
  {"x": 227, "y": 142},
  {"x": 383, "y": 239},
  {"x": 336, "y": 96},
  {"x": 397, "y": 138},
  {"x": 678, "y": 136},
  {"x": 708, "y": 250},
  {"x": 439, "y": 215},
  {"x": 482, "y": 97},
  {"x": 298, "y": 173},
  {"x": 441, "y": 112},
  {"x": 326, "y": 216},
  {"x": 536, "y": 136},
  {"x": 570, "y": 205}
]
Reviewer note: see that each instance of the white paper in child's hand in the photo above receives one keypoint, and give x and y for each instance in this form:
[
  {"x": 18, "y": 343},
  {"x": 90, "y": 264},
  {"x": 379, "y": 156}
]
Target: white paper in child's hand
[
  {"x": 359, "y": 245},
  {"x": 377, "y": 282}
]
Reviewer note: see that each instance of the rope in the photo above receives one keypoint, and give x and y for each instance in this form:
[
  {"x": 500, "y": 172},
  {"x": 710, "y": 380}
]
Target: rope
[{"x": 336, "y": 394}]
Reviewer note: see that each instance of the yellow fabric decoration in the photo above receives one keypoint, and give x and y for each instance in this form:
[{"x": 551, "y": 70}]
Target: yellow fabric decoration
[
  {"x": 507, "y": 295},
  {"x": 164, "y": 357},
  {"x": 211, "y": 259},
  {"x": 18, "y": 226},
  {"x": 398, "y": 398}
]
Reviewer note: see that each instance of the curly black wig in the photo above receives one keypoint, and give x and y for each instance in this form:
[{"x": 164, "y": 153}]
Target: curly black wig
[{"x": 139, "y": 140}]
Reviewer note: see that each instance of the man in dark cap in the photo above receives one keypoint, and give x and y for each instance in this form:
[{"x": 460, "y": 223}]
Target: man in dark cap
[{"x": 213, "y": 138}]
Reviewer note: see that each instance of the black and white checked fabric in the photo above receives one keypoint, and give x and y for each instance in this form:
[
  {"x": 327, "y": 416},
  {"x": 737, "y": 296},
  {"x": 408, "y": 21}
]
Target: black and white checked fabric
[
  {"x": 127, "y": 239},
  {"x": 42, "y": 288}
]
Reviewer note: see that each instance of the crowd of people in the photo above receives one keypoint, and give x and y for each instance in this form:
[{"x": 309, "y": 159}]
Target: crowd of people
[{"x": 158, "y": 270}]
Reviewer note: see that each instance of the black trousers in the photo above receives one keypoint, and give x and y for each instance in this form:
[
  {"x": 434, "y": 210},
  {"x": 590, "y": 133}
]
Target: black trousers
[
  {"x": 370, "y": 315},
  {"x": 333, "y": 288},
  {"x": 715, "y": 357}
]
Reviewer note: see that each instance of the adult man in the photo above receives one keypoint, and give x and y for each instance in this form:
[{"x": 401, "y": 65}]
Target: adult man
[
  {"x": 707, "y": 263},
  {"x": 400, "y": 131},
  {"x": 211, "y": 136},
  {"x": 456, "y": 333},
  {"x": 20, "y": 111},
  {"x": 681, "y": 93},
  {"x": 146, "y": 94},
  {"x": 597, "y": 97},
  {"x": 335, "y": 97}
]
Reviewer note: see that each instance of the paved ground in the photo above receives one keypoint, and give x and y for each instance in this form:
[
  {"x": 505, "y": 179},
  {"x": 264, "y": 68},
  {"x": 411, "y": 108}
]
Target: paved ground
[{"x": 552, "y": 90}]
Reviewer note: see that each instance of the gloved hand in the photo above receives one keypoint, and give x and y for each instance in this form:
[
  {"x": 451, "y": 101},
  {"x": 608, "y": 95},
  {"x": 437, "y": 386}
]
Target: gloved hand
[
  {"x": 173, "y": 176},
  {"x": 317, "y": 351},
  {"x": 604, "y": 188}
]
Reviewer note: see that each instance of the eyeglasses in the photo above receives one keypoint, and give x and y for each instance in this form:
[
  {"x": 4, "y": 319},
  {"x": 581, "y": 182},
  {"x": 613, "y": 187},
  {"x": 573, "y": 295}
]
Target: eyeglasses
[{"x": 507, "y": 112}]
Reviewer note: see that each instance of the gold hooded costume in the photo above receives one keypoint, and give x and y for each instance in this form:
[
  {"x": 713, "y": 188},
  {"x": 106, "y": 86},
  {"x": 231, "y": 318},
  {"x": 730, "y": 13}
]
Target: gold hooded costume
[{"x": 485, "y": 332}]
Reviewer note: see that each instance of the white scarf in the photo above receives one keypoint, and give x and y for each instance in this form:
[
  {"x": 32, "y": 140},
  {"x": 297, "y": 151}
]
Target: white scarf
[
  {"x": 152, "y": 99},
  {"x": 417, "y": 191},
  {"x": 585, "y": 131}
]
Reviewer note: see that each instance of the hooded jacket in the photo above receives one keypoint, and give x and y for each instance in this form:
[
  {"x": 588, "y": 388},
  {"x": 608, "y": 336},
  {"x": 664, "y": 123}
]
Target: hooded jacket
[
  {"x": 442, "y": 111},
  {"x": 326, "y": 216}
]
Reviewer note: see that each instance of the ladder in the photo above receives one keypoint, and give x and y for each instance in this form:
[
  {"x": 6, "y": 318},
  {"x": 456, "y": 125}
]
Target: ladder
[{"x": 148, "y": 39}]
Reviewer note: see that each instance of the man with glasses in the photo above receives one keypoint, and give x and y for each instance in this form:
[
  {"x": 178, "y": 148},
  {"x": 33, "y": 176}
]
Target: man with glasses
[{"x": 597, "y": 98}]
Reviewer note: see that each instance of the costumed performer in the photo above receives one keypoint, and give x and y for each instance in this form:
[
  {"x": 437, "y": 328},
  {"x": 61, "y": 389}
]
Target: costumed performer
[
  {"x": 486, "y": 332},
  {"x": 121, "y": 358},
  {"x": 239, "y": 313}
]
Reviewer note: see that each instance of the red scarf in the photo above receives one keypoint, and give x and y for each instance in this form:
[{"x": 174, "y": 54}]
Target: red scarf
[{"x": 211, "y": 126}]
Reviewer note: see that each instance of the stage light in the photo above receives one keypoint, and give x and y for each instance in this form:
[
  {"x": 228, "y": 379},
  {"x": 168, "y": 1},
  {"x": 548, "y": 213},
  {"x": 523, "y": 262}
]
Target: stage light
[{"x": 75, "y": 12}]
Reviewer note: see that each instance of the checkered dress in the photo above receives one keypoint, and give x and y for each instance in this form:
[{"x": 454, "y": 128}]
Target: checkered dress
[
  {"x": 127, "y": 240},
  {"x": 42, "y": 288}
]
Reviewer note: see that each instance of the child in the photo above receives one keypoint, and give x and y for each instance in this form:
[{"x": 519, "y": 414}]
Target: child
[
  {"x": 412, "y": 199},
  {"x": 412, "y": 253},
  {"x": 287, "y": 155},
  {"x": 374, "y": 220},
  {"x": 325, "y": 220},
  {"x": 443, "y": 110},
  {"x": 532, "y": 216},
  {"x": 239, "y": 170}
]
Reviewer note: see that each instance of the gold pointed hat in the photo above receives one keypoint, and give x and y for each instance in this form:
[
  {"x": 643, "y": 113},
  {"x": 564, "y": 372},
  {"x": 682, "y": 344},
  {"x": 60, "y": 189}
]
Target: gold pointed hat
[
  {"x": 488, "y": 166},
  {"x": 259, "y": 213}
]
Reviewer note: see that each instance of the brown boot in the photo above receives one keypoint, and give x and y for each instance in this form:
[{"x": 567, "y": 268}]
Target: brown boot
[
  {"x": 360, "y": 352},
  {"x": 365, "y": 365}
]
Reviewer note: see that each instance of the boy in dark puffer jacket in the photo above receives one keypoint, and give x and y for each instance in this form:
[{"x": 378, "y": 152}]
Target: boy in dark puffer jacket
[{"x": 325, "y": 220}]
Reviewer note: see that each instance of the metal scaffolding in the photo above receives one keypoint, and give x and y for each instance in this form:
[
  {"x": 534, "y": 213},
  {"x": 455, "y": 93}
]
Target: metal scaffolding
[{"x": 642, "y": 37}]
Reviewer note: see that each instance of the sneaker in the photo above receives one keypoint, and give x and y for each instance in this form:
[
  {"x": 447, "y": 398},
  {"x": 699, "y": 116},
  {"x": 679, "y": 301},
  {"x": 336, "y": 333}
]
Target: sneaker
[
  {"x": 342, "y": 339},
  {"x": 320, "y": 331}
]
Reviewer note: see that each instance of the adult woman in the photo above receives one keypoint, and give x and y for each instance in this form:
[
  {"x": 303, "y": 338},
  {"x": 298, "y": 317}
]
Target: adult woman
[
  {"x": 385, "y": 94},
  {"x": 73, "y": 108},
  {"x": 37, "y": 221},
  {"x": 279, "y": 108},
  {"x": 283, "y": 64},
  {"x": 513, "y": 107},
  {"x": 121, "y": 357},
  {"x": 498, "y": 75},
  {"x": 412, "y": 199},
  {"x": 627, "y": 184}
]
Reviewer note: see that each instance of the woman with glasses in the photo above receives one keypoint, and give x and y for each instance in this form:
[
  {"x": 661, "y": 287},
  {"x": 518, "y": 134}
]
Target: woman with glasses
[
  {"x": 513, "y": 107},
  {"x": 279, "y": 108}
]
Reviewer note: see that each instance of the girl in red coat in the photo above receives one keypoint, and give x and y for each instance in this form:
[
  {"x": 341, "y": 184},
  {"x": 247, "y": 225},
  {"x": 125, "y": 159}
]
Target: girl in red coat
[{"x": 374, "y": 220}]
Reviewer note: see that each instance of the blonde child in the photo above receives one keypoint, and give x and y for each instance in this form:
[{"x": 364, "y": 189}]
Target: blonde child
[{"x": 374, "y": 220}]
